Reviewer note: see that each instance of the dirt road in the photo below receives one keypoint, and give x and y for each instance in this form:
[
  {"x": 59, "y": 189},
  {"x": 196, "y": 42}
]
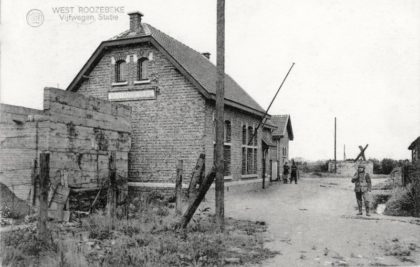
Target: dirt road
[{"x": 313, "y": 223}]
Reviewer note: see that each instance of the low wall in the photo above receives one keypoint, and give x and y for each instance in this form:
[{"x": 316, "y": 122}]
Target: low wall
[
  {"x": 349, "y": 168},
  {"x": 79, "y": 132},
  {"x": 18, "y": 147}
]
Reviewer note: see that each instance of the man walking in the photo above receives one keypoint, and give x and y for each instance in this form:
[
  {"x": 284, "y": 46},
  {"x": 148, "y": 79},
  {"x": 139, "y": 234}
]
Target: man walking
[
  {"x": 362, "y": 187},
  {"x": 285, "y": 172}
]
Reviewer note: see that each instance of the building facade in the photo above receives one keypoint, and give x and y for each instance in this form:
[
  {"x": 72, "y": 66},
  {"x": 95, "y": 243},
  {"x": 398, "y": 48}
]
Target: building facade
[
  {"x": 282, "y": 134},
  {"x": 415, "y": 151},
  {"x": 171, "y": 90}
]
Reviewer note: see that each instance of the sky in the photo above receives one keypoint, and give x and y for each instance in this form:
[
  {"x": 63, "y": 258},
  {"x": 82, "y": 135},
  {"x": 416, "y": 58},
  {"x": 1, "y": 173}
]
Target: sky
[{"x": 355, "y": 60}]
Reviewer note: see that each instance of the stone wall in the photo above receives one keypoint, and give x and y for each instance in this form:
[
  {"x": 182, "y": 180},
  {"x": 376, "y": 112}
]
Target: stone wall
[
  {"x": 19, "y": 146},
  {"x": 79, "y": 133}
]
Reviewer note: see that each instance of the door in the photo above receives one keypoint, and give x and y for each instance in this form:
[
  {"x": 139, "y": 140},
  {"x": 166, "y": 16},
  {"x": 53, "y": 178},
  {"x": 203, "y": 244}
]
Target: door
[{"x": 274, "y": 169}]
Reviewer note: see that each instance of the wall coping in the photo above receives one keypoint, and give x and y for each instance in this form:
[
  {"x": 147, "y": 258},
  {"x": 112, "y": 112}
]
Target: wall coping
[{"x": 172, "y": 185}]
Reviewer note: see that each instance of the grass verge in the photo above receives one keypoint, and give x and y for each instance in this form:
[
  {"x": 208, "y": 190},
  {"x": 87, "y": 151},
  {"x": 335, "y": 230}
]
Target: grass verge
[{"x": 147, "y": 239}]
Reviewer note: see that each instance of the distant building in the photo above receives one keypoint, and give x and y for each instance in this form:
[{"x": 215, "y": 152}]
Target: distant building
[
  {"x": 278, "y": 147},
  {"x": 415, "y": 151}
]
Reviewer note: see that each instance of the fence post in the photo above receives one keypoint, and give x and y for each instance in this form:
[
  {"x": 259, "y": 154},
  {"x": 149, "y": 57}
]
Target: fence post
[
  {"x": 44, "y": 179},
  {"x": 111, "y": 190},
  {"x": 192, "y": 207},
  {"x": 196, "y": 177},
  {"x": 178, "y": 187},
  {"x": 33, "y": 183}
]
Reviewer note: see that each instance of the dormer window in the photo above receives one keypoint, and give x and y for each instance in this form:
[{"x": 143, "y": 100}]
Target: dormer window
[
  {"x": 120, "y": 71},
  {"x": 142, "y": 73}
]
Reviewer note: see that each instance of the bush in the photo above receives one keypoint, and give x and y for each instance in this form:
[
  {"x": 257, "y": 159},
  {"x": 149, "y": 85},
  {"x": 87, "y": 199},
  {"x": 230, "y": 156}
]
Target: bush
[
  {"x": 414, "y": 195},
  {"x": 317, "y": 166},
  {"x": 400, "y": 203},
  {"x": 377, "y": 167},
  {"x": 387, "y": 165},
  {"x": 98, "y": 226}
]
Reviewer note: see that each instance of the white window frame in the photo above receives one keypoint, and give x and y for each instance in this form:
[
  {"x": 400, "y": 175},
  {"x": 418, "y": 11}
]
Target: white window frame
[{"x": 254, "y": 147}]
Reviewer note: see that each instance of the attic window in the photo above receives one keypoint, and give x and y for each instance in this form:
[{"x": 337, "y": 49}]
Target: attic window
[
  {"x": 120, "y": 71},
  {"x": 142, "y": 73}
]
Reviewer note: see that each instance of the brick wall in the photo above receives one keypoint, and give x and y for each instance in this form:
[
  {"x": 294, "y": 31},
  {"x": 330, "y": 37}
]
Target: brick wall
[
  {"x": 237, "y": 120},
  {"x": 78, "y": 132},
  {"x": 177, "y": 124}
]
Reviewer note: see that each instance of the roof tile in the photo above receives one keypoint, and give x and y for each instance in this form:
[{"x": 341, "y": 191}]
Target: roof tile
[{"x": 198, "y": 66}]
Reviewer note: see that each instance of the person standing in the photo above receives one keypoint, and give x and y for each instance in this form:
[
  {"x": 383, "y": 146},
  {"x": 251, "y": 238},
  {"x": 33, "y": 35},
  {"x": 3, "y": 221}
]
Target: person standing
[
  {"x": 285, "y": 172},
  {"x": 294, "y": 172},
  {"x": 362, "y": 187}
]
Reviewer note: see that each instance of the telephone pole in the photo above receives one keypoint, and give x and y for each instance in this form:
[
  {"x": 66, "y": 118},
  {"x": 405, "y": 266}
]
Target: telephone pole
[
  {"x": 220, "y": 95},
  {"x": 344, "y": 153},
  {"x": 335, "y": 144}
]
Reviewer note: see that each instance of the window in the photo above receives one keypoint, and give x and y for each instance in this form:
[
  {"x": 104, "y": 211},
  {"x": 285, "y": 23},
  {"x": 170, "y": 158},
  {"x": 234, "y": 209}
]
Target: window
[
  {"x": 249, "y": 150},
  {"x": 250, "y": 135},
  {"x": 227, "y": 159},
  {"x": 120, "y": 71},
  {"x": 244, "y": 135},
  {"x": 228, "y": 132},
  {"x": 227, "y": 147},
  {"x": 142, "y": 69}
]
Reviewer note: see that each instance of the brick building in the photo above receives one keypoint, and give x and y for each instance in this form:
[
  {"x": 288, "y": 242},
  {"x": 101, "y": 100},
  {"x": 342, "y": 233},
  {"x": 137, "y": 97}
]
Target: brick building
[
  {"x": 415, "y": 151},
  {"x": 281, "y": 133},
  {"x": 171, "y": 90}
]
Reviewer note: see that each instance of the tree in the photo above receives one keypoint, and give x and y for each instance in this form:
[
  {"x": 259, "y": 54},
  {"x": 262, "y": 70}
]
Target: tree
[{"x": 387, "y": 165}]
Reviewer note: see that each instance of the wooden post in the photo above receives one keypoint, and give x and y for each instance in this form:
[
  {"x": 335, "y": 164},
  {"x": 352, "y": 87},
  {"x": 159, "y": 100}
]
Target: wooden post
[
  {"x": 204, "y": 187},
  {"x": 264, "y": 168},
  {"x": 196, "y": 177},
  {"x": 335, "y": 144},
  {"x": 344, "y": 156},
  {"x": 44, "y": 179},
  {"x": 112, "y": 190},
  {"x": 220, "y": 96},
  {"x": 178, "y": 187},
  {"x": 33, "y": 183}
]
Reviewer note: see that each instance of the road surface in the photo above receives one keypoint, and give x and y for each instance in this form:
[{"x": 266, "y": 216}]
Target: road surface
[{"x": 313, "y": 223}]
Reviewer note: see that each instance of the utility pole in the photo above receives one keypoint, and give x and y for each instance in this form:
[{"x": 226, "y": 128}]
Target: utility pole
[
  {"x": 344, "y": 156},
  {"x": 335, "y": 144},
  {"x": 220, "y": 95}
]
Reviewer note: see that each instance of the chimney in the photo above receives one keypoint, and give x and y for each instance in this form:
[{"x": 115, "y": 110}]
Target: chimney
[
  {"x": 135, "y": 21},
  {"x": 206, "y": 54}
]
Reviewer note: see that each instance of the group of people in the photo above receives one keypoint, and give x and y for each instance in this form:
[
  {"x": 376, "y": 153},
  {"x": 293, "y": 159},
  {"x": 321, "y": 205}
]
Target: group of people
[
  {"x": 361, "y": 180},
  {"x": 293, "y": 172}
]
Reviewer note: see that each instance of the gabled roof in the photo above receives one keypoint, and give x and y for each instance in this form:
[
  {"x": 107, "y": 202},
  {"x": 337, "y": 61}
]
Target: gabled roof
[
  {"x": 283, "y": 123},
  {"x": 413, "y": 144},
  {"x": 197, "y": 68},
  {"x": 267, "y": 141}
]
